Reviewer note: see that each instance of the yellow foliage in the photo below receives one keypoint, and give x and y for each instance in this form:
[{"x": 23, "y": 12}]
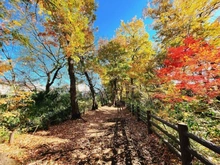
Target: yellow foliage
[
  {"x": 174, "y": 20},
  {"x": 71, "y": 19},
  {"x": 17, "y": 98},
  {"x": 10, "y": 114},
  {"x": 4, "y": 67},
  {"x": 49, "y": 12},
  {"x": 3, "y": 101},
  {"x": 135, "y": 40},
  {"x": 17, "y": 23}
]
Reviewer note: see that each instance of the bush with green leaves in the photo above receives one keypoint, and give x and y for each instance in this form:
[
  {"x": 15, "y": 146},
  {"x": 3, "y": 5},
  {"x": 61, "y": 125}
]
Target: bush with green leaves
[
  {"x": 12, "y": 119},
  {"x": 84, "y": 101},
  {"x": 202, "y": 119},
  {"x": 48, "y": 108},
  {"x": 4, "y": 134}
]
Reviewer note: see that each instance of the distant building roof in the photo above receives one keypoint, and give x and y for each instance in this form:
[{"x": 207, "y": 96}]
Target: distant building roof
[{"x": 6, "y": 88}]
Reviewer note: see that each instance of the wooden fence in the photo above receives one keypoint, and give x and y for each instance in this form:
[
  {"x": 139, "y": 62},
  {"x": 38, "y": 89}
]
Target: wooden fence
[{"x": 180, "y": 146}]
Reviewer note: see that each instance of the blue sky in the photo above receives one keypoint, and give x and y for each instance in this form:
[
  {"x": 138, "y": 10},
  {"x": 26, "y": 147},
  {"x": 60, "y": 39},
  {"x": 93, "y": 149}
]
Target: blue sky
[{"x": 110, "y": 13}]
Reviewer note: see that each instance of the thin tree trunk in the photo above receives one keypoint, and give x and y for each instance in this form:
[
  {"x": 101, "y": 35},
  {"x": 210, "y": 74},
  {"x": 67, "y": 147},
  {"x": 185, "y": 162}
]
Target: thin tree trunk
[
  {"x": 127, "y": 91},
  {"x": 54, "y": 77},
  {"x": 91, "y": 87},
  {"x": 74, "y": 103},
  {"x": 106, "y": 95},
  {"x": 11, "y": 136},
  {"x": 121, "y": 93},
  {"x": 132, "y": 89},
  {"x": 114, "y": 94},
  {"x": 102, "y": 97}
]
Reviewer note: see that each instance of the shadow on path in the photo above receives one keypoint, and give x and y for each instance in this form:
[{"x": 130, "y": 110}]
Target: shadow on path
[
  {"x": 107, "y": 138},
  {"x": 123, "y": 147}
]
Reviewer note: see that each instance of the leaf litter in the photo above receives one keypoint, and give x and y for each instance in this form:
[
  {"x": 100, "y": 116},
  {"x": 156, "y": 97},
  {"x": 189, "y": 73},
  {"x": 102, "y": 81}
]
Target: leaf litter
[{"x": 103, "y": 137}]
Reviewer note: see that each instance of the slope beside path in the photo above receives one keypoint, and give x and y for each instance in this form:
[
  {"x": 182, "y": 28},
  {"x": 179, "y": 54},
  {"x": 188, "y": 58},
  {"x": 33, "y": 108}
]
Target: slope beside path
[{"x": 104, "y": 136}]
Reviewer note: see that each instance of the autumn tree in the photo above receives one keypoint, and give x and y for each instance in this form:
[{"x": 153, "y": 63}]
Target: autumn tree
[
  {"x": 42, "y": 61},
  {"x": 13, "y": 104},
  {"x": 12, "y": 112},
  {"x": 112, "y": 66},
  {"x": 87, "y": 70},
  {"x": 71, "y": 21},
  {"x": 193, "y": 69},
  {"x": 11, "y": 37},
  {"x": 134, "y": 39},
  {"x": 86, "y": 64},
  {"x": 38, "y": 56},
  {"x": 175, "y": 20}
]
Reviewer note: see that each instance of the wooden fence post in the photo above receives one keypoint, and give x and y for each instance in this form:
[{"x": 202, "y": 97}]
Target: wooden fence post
[
  {"x": 184, "y": 144},
  {"x": 148, "y": 123},
  {"x": 138, "y": 113}
]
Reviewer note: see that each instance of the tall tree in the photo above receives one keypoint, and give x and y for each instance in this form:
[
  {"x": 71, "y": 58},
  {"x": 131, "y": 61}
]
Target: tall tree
[
  {"x": 193, "y": 69},
  {"x": 112, "y": 66},
  {"x": 39, "y": 58},
  {"x": 87, "y": 62},
  {"x": 17, "y": 98},
  {"x": 71, "y": 20},
  {"x": 42, "y": 61},
  {"x": 134, "y": 38},
  {"x": 174, "y": 20},
  {"x": 86, "y": 68}
]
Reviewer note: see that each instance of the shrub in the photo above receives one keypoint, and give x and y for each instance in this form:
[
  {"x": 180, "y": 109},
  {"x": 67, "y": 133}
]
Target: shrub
[{"x": 49, "y": 108}]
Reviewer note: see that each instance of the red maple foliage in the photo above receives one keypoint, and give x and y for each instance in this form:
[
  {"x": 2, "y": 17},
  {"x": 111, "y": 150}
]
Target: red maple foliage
[{"x": 193, "y": 66}]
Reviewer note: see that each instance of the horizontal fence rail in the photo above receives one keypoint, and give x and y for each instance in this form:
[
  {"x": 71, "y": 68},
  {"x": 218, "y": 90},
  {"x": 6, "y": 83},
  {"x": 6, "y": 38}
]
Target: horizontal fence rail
[
  {"x": 165, "y": 122},
  {"x": 205, "y": 143},
  {"x": 180, "y": 145}
]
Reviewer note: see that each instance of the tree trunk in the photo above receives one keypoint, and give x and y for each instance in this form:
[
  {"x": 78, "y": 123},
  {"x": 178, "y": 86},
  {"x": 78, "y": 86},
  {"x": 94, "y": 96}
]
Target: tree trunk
[
  {"x": 106, "y": 95},
  {"x": 54, "y": 77},
  {"x": 11, "y": 136},
  {"x": 114, "y": 91},
  {"x": 103, "y": 102},
  {"x": 127, "y": 91},
  {"x": 92, "y": 90},
  {"x": 121, "y": 93},
  {"x": 74, "y": 103},
  {"x": 47, "y": 88},
  {"x": 132, "y": 89}
]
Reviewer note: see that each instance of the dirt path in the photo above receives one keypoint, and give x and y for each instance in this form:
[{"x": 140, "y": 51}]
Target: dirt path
[{"x": 103, "y": 137}]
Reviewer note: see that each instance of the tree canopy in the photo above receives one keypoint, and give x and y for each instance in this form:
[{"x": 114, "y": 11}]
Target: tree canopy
[{"x": 175, "y": 20}]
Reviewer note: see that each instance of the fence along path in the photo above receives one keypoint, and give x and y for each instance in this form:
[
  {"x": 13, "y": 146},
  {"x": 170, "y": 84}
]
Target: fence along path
[{"x": 181, "y": 146}]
